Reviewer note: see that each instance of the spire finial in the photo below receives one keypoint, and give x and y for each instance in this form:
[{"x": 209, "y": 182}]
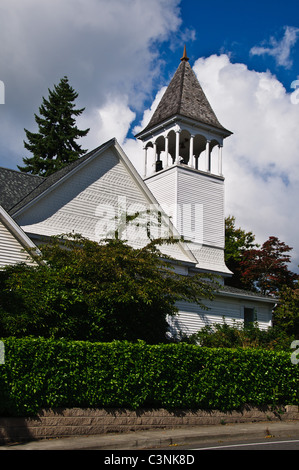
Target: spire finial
[{"x": 185, "y": 58}]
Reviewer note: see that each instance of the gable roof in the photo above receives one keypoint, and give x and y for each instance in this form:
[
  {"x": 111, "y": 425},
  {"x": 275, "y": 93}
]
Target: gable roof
[
  {"x": 14, "y": 186},
  {"x": 185, "y": 97},
  {"x": 47, "y": 182},
  {"x": 11, "y": 252}
]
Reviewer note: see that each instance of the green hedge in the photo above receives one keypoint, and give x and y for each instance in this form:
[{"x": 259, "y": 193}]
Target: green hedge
[{"x": 42, "y": 373}]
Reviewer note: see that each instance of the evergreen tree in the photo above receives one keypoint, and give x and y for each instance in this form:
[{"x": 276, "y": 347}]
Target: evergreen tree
[{"x": 54, "y": 145}]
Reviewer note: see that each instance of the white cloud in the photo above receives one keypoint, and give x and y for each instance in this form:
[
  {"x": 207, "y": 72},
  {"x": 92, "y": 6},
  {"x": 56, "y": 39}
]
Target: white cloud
[
  {"x": 112, "y": 120},
  {"x": 261, "y": 164},
  {"x": 148, "y": 113},
  {"x": 134, "y": 147},
  {"x": 280, "y": 50},
  {"x": 104, "y": 47}
]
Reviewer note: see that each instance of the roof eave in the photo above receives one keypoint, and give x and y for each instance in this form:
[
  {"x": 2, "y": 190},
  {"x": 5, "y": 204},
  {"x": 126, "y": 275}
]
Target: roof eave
[
  {"x": 167, "y": 123},
  {"x": 245, "y": 296}
]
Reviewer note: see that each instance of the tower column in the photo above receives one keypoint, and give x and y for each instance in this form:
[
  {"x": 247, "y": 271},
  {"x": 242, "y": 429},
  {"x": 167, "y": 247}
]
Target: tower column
[
  {"x": 177, "y": 145},
  {"x": 151, "y": 163},
  {"x": 155, "y": 157},
  {"x": 208, "y": 157},
  {"x": 145, "y": 161},
  {"x": 166, "y": 152},
  {"x": 220, "y": 160},
  {"x": 191, "y": 156}
]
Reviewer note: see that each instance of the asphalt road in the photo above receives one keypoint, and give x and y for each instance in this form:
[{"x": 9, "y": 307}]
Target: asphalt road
[{"x": 271, "y": 444}]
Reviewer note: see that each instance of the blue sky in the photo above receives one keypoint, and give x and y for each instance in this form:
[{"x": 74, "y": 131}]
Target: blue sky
[
  {"x": 120, "y": 54},
  {"x": 236, "y": 27}
]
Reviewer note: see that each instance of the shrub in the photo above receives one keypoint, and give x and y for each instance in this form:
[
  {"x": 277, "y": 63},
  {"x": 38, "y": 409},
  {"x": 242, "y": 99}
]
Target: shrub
[
  {"x": 240, "y": 335},
  {"x": 45, "y": 373}
]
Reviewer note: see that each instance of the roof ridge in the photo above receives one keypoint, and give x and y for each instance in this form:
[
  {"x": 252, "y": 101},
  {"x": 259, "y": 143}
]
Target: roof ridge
[{"x": 182, "y": 83}]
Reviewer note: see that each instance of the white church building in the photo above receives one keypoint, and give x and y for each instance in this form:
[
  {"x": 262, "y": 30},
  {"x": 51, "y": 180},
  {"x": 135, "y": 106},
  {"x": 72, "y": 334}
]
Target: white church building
[{"x": 180, "y": 194}]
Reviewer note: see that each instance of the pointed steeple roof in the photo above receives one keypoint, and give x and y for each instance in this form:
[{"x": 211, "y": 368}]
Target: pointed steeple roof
[{"x": 185, "y": 97}]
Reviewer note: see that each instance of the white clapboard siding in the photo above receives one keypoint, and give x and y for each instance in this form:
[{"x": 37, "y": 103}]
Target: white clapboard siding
[
  {"x": 195, "y": 202},
  {"x": 80, "y": 203},
  {"x": 163, "y": 185},
  {"x": 90, "y": 201},
  {"x": 204, "y": 190},
  {"x": 192, "y": 318},
  {"x": 210, "y": 258},
  {"x": 11, "y": 250},
  {"x": 196, "y": 196}
]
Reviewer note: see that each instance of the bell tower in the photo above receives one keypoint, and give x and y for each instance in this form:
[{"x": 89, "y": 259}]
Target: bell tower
[{"x": 183, "y": 166}]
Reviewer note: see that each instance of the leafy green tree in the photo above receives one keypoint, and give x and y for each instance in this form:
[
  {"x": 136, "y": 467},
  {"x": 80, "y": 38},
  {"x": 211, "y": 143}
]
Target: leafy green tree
[
  {"x": 54, "y": 145},
  {"x": 286, "y": 314},
  {"x": 237, "y": 241},
  {"x": 96, "y": 291}
]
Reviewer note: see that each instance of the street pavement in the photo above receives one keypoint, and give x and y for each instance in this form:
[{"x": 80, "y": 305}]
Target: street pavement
[{"x": 166, "y": 438}]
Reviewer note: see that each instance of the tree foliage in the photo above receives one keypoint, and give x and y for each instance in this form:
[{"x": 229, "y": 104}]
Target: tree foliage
[
  {"x": 258, "y": 268},
  {"x": 54, "y": 145},
  {"x": 266, "y": 269},
  {"x": 96, "y": 291},
  {"x": 237, "y": 242},
  {"x": 286, "y": 314}
]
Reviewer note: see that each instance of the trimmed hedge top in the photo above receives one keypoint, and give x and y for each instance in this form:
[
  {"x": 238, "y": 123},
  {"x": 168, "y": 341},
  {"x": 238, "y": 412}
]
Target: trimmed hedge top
[{"x": 43, "y": 373}]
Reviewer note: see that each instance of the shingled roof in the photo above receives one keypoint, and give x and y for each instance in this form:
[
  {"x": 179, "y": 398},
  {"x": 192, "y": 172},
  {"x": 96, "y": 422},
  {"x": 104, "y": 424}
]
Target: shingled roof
[
  {"x": 14, "y": 186},
  {"x": 185, "y": 97}
]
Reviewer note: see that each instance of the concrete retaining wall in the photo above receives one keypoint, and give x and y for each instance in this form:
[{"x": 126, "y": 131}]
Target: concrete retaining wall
[{"x": 76, "y": 421}]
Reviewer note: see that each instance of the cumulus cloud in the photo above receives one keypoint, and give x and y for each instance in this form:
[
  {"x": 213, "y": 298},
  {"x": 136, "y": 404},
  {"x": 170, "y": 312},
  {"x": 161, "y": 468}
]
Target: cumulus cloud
[
  {"x": 112, "y": 120},
  {"x": 102, "y": 46},
  {"x": 280, "y": 50}
]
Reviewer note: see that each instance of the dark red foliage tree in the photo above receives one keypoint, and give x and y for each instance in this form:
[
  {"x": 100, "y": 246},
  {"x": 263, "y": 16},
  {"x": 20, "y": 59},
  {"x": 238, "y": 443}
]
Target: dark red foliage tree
[{"x": 266, "y": 269}]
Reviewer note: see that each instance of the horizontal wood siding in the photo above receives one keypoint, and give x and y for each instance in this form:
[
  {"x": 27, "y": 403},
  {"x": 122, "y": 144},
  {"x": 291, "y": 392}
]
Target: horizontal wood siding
[
  {"x": 163, "y": 187},
  {"x": 210, "y": 258},
  {"x": 192, "y": 318},
  {"x": 197, "y": 196},
  {"x": 11, "y": 251},
  {"x": 88, "y": 203},
  {"x": 82, "y": 201},
  {"x": 199, "y": 215},
  {"x": 197, "y": 189}
]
